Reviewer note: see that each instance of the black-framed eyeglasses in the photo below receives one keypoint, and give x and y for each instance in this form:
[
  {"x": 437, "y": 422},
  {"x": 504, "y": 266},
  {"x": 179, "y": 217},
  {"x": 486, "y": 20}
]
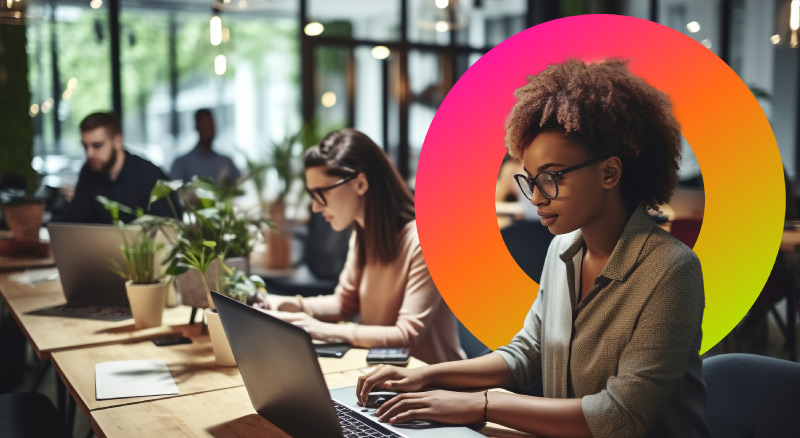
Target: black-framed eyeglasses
[
  {"x": 318, "y": 194},
  {"x": 547, "y": 181}
]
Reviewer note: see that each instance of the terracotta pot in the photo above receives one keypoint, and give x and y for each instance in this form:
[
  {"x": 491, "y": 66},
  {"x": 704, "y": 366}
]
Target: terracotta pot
[
  {"x": 278, "y": 239},
  {"x": 147, "y": 303},
  {"x": 24, "y": 219},
  {"x": 219, "y": 341}
]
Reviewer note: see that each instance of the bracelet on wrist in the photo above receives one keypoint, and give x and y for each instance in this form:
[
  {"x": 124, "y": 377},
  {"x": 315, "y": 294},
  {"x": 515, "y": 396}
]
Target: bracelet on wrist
[{"x": 485, "y": 405}]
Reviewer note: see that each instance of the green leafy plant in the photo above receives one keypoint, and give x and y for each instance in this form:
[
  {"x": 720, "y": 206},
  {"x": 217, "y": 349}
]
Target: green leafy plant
[
  {"x": 283, "y": 156},
  {"x": 140, "y": 248},
  {"x": 199, "y": 255},
  {"x": 213, "y": 230},
  {"x": 211, "y": 217}
]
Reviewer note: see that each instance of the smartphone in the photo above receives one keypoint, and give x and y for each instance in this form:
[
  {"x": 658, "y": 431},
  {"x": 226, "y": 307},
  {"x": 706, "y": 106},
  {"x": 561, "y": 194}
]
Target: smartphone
[
  {"x": 332, "y": 350},
  {"x": 171, "y": 340},
  {"x": 392, "y": 356}
]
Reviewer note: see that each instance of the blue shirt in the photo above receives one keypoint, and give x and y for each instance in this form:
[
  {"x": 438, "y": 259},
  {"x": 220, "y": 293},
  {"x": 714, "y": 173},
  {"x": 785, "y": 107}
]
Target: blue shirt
[{"x": 210, "y": 164}]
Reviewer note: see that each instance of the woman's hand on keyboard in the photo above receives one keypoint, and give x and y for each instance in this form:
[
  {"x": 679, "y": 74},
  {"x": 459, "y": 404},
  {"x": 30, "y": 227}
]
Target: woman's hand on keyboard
[
  {"x": 389, "y": 377},
  {"x": 439, "y": 405}
]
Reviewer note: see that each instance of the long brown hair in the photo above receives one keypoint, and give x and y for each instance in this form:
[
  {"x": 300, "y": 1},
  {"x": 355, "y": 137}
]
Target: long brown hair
[{"x": 389, "y": 204}]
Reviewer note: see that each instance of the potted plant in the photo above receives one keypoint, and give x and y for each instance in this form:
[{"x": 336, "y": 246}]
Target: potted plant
[
  {"x": 23, "y": 213},
  {"x": 146, "y": 282},
  {"x": 282, "y": 155},
  {"x": 199, "y": 256},
  {"x": 210, "y": 219}
]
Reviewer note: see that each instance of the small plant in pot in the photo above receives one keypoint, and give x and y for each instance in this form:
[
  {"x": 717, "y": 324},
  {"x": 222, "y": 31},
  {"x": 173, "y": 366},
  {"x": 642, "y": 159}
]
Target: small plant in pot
[
  {"x": 200, "y": 255},
  {"x": 23, "y": 213},
  {"x": 147, "y": 284},
  {"x": 213, "y": 230}
]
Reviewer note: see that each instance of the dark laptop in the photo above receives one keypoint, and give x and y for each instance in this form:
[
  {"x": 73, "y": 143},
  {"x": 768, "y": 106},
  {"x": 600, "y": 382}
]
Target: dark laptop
[
  {"x": 283, "y": 378},
  {"x": 81, "y": 253}
]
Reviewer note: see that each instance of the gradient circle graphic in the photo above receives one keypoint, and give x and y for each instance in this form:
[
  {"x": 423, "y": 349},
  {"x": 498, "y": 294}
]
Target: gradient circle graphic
[{"x": 719, "y": 117}]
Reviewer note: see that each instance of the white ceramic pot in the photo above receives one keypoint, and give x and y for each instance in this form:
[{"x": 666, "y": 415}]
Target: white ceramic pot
[
  {"x": 192, "y": 290},
  {"x": 147, "y": 303},
  {"x": 219, "y": 341}
]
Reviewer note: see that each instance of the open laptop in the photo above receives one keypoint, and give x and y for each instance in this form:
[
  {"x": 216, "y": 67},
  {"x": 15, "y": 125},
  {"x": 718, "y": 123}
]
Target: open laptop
[
  {"x": 283, "y": 378},
  {"x": 81, "y": 253}
]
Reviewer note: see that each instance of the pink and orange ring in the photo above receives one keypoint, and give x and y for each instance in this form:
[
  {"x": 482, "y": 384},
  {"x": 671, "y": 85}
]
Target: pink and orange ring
[{"x": 720, "y": 119}]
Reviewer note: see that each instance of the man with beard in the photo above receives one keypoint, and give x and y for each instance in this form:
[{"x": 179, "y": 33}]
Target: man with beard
[{"x": 112, "y": 172}]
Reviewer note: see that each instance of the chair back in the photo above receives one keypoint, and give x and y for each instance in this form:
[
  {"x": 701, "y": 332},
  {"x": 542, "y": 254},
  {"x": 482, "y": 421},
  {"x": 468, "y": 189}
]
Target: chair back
[
  {"x": 752, "y": 396},
  {"x": 527, "y": 242},
  {"x": 686, "y": 230},
  {"x": 325, "y": 250}
]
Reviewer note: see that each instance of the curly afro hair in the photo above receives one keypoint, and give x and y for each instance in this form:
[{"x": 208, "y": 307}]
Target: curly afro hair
[{"x": 609, "y": 111}]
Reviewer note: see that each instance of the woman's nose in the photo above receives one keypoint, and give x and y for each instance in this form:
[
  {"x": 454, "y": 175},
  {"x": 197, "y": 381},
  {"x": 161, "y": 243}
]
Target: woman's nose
[{"x": 537, "y": 197}]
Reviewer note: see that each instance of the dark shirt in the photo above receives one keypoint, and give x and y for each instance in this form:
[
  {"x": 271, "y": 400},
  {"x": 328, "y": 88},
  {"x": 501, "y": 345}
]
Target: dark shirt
[{"x": 132, "y": 188}]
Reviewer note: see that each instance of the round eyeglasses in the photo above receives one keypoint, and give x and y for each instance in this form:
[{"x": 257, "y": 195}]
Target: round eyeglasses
[
  {"x": 318, "y": 194},
  {"x": 547, "y": 181}
]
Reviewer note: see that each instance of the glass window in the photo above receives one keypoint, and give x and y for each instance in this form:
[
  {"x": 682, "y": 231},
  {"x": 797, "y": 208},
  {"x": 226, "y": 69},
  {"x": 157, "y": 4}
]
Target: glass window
[
  {"x": 359, "y": 19},
  {"x": 70, "y": 74},
  {"x": 434, "y": 21},
  {"x": 699, "y": 20}
]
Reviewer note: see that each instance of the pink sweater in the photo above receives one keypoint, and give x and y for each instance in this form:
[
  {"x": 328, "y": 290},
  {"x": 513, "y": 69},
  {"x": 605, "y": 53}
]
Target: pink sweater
[{"x": 398, "y": 305}]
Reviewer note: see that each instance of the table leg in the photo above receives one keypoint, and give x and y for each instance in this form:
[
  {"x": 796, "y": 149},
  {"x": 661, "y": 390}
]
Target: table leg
[
  {"x": 61, "y": 396},
  {"x": 71, "y": 405}
]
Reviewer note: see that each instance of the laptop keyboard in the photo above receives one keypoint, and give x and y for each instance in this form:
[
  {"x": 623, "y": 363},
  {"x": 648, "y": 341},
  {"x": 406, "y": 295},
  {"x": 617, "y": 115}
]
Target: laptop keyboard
[
  {"x": 354, "y": 425},
  {"x": 77, "y": 310}
]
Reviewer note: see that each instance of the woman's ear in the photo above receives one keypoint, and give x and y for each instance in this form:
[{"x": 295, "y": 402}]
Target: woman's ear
[
  {"x": 361, "y": 183},
  {"x": 612, "y": 172}
]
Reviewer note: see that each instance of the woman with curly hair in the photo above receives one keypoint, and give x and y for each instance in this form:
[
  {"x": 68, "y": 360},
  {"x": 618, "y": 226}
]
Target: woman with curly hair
[
  {"x": 385, "y": 281},
  {"x": 613, "y": 336}
]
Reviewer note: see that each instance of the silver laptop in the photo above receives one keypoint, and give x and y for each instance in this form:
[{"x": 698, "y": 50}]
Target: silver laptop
[
  {"x": 284, "y": 381},
  {"x": 81, "y": 254}
]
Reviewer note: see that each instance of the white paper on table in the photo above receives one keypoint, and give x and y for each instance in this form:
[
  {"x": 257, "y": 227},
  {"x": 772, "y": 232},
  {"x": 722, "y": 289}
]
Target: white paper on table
[
  {"x": 133, "y": 378},
  {"x": 35, "y": 277}
]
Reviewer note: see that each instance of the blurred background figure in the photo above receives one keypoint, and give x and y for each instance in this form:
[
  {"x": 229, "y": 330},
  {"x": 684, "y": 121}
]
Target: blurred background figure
[{"x": 202, "y": 160}]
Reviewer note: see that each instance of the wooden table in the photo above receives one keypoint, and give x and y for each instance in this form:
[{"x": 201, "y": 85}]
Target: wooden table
[
  {"x": 20, "y": 263},
  {"x": 47, "y": 334},
  {"x": 191, "y": 365},
  {"x": 223, "y": 413}
]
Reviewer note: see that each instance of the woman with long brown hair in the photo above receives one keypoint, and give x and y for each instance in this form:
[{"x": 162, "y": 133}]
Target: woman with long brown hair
[{"x": 385, "y": 281}]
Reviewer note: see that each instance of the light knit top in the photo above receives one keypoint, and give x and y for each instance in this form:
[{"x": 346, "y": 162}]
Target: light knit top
[{"x": 398, "y": 304}]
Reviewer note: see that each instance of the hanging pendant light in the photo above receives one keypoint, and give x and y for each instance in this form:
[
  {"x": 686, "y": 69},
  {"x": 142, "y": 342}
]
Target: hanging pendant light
[
  {"x": 442, "y": 15},
  {"x": 787, "y": 25}
]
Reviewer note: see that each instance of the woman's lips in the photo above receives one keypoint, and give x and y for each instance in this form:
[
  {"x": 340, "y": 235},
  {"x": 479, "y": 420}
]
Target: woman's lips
[{"x": 548, "y": 219}]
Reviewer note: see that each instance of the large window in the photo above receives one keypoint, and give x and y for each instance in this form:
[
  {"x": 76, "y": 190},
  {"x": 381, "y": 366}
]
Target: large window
[
  {"x": 69, "y": 59},
  {"x": 169, "y": 69},
  {"x": 400, "y": 78}
]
